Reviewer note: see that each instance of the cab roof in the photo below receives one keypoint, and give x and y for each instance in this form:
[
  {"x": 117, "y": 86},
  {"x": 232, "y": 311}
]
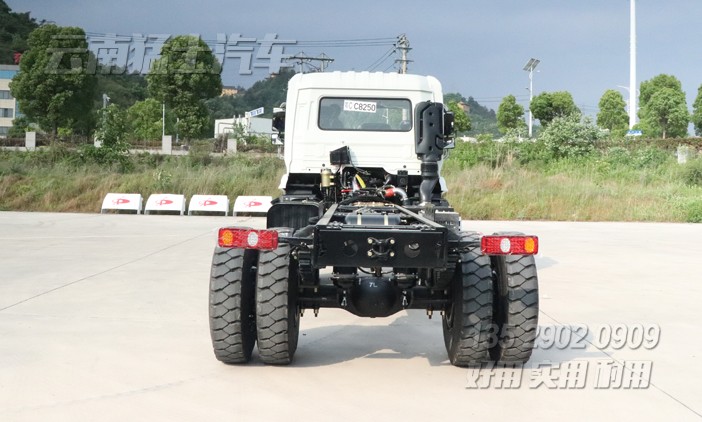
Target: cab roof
[{"x": 364, "y": 80}]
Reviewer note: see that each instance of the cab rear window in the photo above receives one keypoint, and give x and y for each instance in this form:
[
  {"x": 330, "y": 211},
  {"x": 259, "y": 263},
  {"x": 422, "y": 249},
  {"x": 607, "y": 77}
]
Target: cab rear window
[{"x": 365, "y": 114}]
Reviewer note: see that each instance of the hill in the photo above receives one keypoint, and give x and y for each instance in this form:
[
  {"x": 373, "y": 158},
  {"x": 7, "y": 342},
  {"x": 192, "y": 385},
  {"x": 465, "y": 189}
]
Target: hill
[
  {"x": 483, "y": 119},
  {"x": 267, "y": 93},
  {"x": 14, "y": 32}
]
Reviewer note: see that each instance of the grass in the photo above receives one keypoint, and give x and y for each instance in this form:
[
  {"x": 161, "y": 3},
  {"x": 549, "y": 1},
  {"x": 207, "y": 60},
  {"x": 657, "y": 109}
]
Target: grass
[
  {"x": 41, "y": 183},
  {"x": 497, "y": 181},
  {"x": 629, "y": 185},
  {"x": 523, "y": 193}
]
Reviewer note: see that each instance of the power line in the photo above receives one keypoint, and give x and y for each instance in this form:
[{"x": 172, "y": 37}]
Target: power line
[
  {"x": 519, "y": 97},
  {"x": 303, "y": 59},
  {"x": 389, "y": 67},
  {"x": 359, "y": 42},
  {"x": 381, "y": 60}
]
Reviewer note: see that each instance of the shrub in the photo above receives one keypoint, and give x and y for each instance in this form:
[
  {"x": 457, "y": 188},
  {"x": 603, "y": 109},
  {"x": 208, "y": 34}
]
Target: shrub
[
  {"x": 571, "y": 136},
  {"x": 650, "y": 157},
  {"x": 693, "y": 212},
  {"x": 618, "y": 156},
  {"x": 200, "y": 152},
  {"x": 484, "y": 151},
  {"x": 692, "y": 172},
  {"x": 531, "y": 151},
  {"x": 258, "y": 143},
  {"x": 112, "y": 132}
]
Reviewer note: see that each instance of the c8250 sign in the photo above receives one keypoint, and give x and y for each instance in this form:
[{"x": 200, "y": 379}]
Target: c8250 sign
[{"x": 360, "y": 106}]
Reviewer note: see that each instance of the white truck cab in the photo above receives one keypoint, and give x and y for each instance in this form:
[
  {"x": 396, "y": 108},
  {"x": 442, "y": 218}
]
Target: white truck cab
[{"x": 373, "y": 114}]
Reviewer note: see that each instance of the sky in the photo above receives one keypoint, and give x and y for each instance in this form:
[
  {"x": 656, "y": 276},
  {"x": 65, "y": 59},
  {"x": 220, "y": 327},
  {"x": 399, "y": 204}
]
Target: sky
[{"x": 476, "y": 48}]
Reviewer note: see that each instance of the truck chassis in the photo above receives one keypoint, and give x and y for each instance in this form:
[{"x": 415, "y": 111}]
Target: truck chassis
[{"x": 373, "y": 250}]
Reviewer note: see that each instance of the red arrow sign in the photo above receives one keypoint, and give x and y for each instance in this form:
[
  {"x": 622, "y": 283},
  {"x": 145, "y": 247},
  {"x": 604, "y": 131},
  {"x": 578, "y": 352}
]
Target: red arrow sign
[
  {"x": 253, "y": 204},
  {"x": 208, "y": 203},
  {"x": 164, "y": 202},
  {"x": 120, "y": 201}
]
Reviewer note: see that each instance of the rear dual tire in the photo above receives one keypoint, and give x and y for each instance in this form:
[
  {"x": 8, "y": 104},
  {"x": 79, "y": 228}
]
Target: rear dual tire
[
  {"x": 253, "y": 299},
  {"x": 232, "y": 307},
  {"x": 494, "y": 308},
  {"x": 277, "y": 312},
  {"x": 466, "y": 323},
  {"x": 515, "y": 307}
]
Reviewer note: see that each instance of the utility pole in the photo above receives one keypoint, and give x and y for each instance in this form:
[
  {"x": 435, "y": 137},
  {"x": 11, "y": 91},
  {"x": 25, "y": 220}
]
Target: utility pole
[
  {"x": 633, "y": 108},
  {"x": 529, "y": 67},
  {"x": 301, "y": 59},
  {"x": 403, "y": 45},
  {"x": 105, "y": 102},
  {"x": 324, "y": 60}
]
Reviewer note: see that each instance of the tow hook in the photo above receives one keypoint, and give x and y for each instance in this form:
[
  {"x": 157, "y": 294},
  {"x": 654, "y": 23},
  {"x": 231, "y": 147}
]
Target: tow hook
[{"x": 381, "y": 249}]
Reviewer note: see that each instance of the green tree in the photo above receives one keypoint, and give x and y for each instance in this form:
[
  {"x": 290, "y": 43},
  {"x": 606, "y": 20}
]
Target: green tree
[
  {"x": 655, "y": 84},
  {"x": 112, "y": 125},
  {"x": 195, "y": 123},
  {"x": 186, "y": 74},
  {"x": 510, "y": 115},
  {"x": 146, "y": 120},
  {"x": 612, "y": 114},
  {"x": 666, "y": 113},
  {"x": 549, "y": 105},
  {"x": 20, "y": 126},
  {"x": 54, "y": 87},
  {"x": 112, "y": 131},
  {"x": 461, "y": 118},
  {"x": 697, "y": 112}
]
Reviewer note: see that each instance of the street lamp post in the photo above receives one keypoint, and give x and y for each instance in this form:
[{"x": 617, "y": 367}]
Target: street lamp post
[
  {"x": 632, "y": 65},
  {"x": 629, "y": 102},
  {"x": 529, "y": 67}
]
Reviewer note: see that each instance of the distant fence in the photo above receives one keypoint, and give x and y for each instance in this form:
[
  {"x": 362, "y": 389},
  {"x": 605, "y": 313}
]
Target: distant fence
[
  {"x": 12, "y": 142},
  {"x": 218, "y": 145},
  {"x": 668, "y": 144},
  {"x": 43, "y": 140}
]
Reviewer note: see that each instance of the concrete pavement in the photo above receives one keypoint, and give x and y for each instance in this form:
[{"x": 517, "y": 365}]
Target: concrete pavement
[{"x": 104, "y": 318}]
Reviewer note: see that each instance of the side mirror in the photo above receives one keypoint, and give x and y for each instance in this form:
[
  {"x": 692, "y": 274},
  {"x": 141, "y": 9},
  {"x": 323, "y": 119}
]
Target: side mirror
[
  {"x": 278, "y": 125},
  {"x": 434, "y": 129}
]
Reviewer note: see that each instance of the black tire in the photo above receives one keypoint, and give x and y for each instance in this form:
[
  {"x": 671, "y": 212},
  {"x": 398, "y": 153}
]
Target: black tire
[
  {"x": 232, "y": 306},
  {"x": 277, "y": 313},
  {"x": 468, "y": 320},
  {"x": 515, "y": 307}
]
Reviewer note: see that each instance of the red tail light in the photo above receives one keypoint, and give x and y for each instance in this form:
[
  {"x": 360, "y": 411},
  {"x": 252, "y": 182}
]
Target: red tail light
[
  {"x": 248, "y": 238},
  {"x": 509, "y": 245}
]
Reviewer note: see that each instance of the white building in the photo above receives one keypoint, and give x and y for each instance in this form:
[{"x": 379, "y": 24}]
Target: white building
[
  {"x": 8, "y": 105},
  {"x": 251, "y": 125}
]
